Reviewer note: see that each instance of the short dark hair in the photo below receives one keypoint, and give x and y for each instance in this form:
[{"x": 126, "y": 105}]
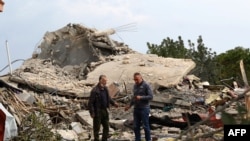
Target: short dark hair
[
  {"x": 137, "y": 73},
  {"x": 101, "y": 76}
]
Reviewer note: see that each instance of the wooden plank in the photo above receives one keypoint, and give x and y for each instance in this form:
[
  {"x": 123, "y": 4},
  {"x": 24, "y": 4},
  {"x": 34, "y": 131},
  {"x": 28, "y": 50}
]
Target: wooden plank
[
  {"x": 243, "y": 73},
  {"x": 247, "y": 97}
]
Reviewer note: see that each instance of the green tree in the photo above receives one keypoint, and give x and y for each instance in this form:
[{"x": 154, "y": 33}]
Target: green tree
[
  {"x": 169, "y": 48},
  {"x": 201, "y": 55},
  {"x": 229, "y": 63},
  {"x": 204, "y": 59}
]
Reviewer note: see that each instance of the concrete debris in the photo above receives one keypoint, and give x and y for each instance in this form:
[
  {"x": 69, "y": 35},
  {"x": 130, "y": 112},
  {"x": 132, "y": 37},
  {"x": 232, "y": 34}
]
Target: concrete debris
[
  {"x": 84, "y": 117},
  {"x": 77, "y": 127},
  {"x": 27, "y": 98},
  {"x": 67, "y": 135},
  {"x": 69, "y": 61},
  {"x": 75, "y": 44},
  {"x": 165, "y": 113},
  {"x": 118, "y": 125},
  {"x": 58, "y": 78}
]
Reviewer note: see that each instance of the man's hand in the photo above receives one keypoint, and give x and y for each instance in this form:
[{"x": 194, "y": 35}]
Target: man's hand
[
  {"x": 137, "y": 97},
  {"x": 127, "y": 107}
]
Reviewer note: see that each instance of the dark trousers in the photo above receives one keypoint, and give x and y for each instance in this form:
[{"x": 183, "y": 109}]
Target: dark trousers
[
  {"x": 141, "y": 118},
  {"x": 101, "y": 119}
]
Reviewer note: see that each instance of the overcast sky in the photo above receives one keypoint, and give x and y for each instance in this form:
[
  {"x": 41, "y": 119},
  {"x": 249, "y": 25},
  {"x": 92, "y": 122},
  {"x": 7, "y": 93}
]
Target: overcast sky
[{"x": 223, "y": 24}]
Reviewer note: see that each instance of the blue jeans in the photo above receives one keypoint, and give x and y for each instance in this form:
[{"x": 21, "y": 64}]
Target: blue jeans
[{"x": 141, "y": 118}]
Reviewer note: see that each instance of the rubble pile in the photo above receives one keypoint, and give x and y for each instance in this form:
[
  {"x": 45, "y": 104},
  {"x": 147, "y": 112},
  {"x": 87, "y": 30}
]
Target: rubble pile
[
  {"x": 75, "y": 44},
  {"x": 70, "y": 60},
  {"x": 55, "y": 83}
]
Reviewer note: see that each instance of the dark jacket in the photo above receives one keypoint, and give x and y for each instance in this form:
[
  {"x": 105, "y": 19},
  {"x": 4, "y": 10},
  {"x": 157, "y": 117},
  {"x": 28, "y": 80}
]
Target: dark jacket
[
  {"x": 145, "y": 91},
  {"x": 94, "y": 104}
]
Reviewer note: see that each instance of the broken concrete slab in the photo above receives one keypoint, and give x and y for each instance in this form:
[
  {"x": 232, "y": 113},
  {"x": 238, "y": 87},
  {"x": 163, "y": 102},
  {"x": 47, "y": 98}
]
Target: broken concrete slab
[
  {"x": 64, "y": 57},
  {"x": 84, "y": 117},
  {"x": 161, "y": 72},
  {"x": 69, "y": 61},
  {"x": 77, "y": 127},
  {"x": 118, "y": 124},
  {"x": 68, "y": 135},
  {"x": 4, "y": 82},
  {"x": 161, "y": 102},
  {"x": 46, "y": 77},
  {"x": 182, "y": 103},
  {"x": 26, "y": 97},
  {"x": 164, "y": 72},
  {"x": 74, "y": 44}
]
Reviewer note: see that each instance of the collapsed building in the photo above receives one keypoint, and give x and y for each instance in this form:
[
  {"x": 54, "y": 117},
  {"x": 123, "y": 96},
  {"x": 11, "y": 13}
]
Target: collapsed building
[{"x": 57, "y": 79}]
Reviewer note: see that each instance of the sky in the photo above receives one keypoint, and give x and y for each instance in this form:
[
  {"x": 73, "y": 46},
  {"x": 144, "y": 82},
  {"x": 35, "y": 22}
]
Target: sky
[{"x": 223, "y": 24}]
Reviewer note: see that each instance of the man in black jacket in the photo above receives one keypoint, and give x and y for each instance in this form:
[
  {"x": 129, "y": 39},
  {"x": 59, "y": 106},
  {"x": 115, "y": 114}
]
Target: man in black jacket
[{"x": 99, "y": 102}]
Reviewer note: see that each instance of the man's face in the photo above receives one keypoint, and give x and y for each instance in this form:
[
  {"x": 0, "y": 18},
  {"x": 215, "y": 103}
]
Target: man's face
[
  {"x": 103, "y": 81},
  {"x": 137, "y": 79}
]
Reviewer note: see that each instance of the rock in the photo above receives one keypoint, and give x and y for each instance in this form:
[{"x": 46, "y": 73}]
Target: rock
[
  {"x": 77, "y": 127},
  {"x": 68, "y": 135},
  {"x": 84, "y": 117}
]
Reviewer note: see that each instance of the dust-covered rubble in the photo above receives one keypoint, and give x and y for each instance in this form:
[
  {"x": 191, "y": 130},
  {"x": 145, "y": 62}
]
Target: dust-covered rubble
[{"x": 55, "y": 83}]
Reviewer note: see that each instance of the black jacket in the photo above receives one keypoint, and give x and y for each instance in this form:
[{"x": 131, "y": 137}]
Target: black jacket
[{"x": 94, "y": 104}]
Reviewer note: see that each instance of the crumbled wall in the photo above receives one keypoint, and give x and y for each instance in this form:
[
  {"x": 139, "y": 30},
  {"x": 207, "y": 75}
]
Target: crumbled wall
[
  {"x": 75, "y": 44},
  {"x": 70, "y": 60}
]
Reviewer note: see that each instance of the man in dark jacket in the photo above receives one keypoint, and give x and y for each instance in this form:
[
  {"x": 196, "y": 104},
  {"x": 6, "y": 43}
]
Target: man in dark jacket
[
  {"x": 142, "y": 96},
  {"x": 98, "y": 105}
]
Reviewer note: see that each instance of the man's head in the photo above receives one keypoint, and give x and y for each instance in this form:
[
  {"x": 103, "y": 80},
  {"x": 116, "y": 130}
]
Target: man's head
[
  {"x": 137, "y": 78},
  {"x": 102, "y": 80}
]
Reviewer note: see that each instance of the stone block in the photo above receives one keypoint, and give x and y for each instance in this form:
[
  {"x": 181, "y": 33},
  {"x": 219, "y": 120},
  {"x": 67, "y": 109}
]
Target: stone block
[
  {"x": 85, "y": 118},
  {"x": 26, "y": 97}
]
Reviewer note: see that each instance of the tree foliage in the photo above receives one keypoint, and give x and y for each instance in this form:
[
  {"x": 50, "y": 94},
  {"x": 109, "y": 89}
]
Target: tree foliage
[
  {"x": 209, "y": 66},
  {"x": 204, "y": 59},
  {"x": 169, "y": 48},
  {"x": 228, "y": 63},
  {"x": 201, "y": 55}
]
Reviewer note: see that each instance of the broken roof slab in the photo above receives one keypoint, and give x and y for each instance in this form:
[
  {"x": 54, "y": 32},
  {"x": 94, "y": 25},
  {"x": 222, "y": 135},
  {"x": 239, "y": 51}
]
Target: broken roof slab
[
  {"x": 69, "y": 61},
  {"x": 159, "y": 71},
  {"x": 164, "y": 72}
]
